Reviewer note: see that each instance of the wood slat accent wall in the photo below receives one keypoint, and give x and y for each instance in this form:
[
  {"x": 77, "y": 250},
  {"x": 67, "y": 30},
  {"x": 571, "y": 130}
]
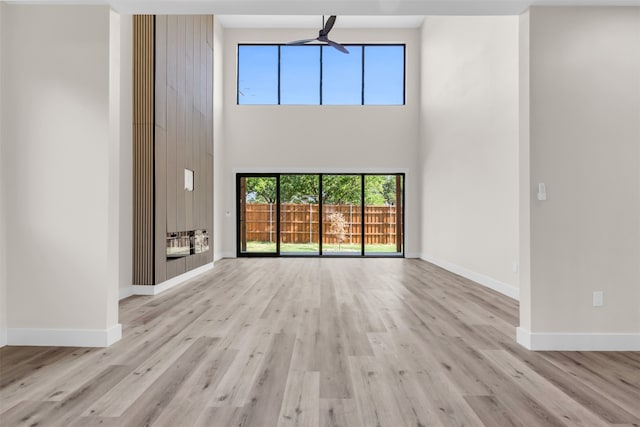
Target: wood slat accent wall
[
  {"x": 184, "y": 133},
  {"x": 143, "y": 142},
  {"x": 173, "y": 122}
]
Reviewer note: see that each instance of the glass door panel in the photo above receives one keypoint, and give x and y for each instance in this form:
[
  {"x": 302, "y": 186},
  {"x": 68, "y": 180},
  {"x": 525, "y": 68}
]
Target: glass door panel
[
  {"x": 299, "y": 214},
  {"x": 383, "y": 214},
  {"x": 258, "y": 215},
  {"x": 341, "y": 214}
]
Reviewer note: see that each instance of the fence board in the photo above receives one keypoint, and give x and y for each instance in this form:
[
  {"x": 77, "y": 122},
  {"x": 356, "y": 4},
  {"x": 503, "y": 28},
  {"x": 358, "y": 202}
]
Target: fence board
[{"x": 299, "y": 223}]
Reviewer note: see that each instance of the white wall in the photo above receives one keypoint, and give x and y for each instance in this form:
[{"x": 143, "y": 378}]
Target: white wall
[
  {"x": 3, "y": 180},
  {"x": 469, "y": 147},
  {"x": 121, "y": 104},
  {"x": 524, "y": 184},
  {"x": 320, "y": 138},
  {"x": 219, "y": 191},
  {"x": 59, "y": 164},
  {"x": 584, "y": 136}
]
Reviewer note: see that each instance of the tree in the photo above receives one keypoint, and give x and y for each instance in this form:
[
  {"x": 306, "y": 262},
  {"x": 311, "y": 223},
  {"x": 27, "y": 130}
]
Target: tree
[
  {"x": 373, "y": 190},
  {"x": 336, "y": 189},
  {"x": 341, "y": 189},
  {"x": 299, "y": 189},
  {"x": 260, "y": 190},
  {"x": 338, "y": 228},
  {"x": 389, "y": 189}
]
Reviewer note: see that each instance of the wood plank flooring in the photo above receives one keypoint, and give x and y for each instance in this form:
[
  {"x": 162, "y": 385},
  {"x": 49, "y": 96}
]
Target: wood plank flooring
[{"x": 319, "y": 342}]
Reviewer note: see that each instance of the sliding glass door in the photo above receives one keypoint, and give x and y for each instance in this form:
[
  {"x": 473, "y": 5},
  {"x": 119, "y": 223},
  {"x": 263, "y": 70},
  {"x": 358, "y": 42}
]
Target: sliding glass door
[
  {"x": 320, "y": 214},
  {"x": 341, "y": 213},
  {"x": 383, "y": 214},
  {"x": 299, "y": 214},
  {"x": 257, "y": 215}
]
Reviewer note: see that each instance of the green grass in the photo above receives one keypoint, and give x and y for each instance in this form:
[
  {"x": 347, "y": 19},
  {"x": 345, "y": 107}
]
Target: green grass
[
  {"x": 269, "y": 247},
  {"x": 254, "y": 246}
]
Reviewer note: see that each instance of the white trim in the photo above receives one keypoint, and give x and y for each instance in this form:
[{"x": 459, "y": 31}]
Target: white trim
[
  {"x": 412, "y": 255},
  {"x": 491, "y": 283},
  {"x": 125, "y": 292},
  {"x": 222, "y": 255},
  {"x": 168, "y": 284},
  {"x": 523, "y": 337},
  {"x": 64, "y": 337},
  {"x": 577, "y": 341},
  {"x": 3, "y": 337},
  {"x": 114, "y": 334}
]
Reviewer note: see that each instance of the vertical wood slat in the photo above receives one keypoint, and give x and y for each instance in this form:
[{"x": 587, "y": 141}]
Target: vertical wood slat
[
  {"x": 173, "y": 131},
  {"x": 181, "y": 121},
  {"x": 143, "y": 149},
  {"x": 196, "y": 121},
  {"x": 188, "y": 141},
  {"x": 207, "y": 137},
  {"x": 162, "y": 130}
]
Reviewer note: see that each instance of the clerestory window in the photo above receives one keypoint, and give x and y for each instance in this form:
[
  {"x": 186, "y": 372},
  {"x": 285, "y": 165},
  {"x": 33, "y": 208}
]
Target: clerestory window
[{"x": 320, "y": 75}]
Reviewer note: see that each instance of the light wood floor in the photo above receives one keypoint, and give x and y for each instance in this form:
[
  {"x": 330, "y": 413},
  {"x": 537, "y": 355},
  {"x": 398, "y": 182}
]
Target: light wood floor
[{"x": 319, "y": 342}]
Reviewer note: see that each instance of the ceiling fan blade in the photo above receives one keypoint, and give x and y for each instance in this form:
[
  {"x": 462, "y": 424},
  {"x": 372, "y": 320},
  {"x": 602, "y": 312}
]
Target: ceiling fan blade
[
  {"x": 337, "y": 46},
  {"x": 322, "y": 36},
  {"x": 329, "y": 25},
  {"x": 300, "y": 42}
]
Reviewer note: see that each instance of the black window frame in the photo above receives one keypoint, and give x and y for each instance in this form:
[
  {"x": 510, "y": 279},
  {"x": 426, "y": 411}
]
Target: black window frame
[
  {"x": 277, "y": 176},
  {"x": 320, "y": 64}
]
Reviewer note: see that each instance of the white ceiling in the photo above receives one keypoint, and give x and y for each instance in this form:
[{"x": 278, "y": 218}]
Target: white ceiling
[
  {"x": 315, "y": 21},
  {"x": 351, "y": 13}
]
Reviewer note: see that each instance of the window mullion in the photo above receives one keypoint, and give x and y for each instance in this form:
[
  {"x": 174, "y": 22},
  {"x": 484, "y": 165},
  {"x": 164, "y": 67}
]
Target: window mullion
[
  {"x": 362, "y": 91},
  {"x": 321, "y": 50}
]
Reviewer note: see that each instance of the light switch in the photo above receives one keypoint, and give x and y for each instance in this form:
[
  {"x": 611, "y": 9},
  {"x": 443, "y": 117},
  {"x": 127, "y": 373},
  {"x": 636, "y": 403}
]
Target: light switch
[
  {"x": 542, "y": 191},
  {"x": 598, "y": 299}
]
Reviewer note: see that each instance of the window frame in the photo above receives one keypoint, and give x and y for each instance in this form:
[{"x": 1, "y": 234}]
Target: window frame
[
  {"x": 363, "y": 252},
  {"x": 320, "y": 65}
]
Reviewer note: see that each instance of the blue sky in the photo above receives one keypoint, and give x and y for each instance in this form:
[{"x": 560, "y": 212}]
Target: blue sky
[{"x": 300, "y": 71}]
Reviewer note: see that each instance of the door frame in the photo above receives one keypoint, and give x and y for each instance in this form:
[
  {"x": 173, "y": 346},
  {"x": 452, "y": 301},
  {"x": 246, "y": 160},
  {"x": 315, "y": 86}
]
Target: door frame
[
  {"x": 400, "y": 238},
  {"x": 240, "y": 202}
]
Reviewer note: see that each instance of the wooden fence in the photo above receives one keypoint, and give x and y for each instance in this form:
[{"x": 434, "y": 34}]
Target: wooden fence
[{"x": 299, "y": 223}]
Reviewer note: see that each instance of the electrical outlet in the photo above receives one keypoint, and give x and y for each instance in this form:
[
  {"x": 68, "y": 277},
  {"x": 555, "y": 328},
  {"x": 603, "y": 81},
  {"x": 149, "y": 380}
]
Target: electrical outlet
[{"x": 598, "y": 299}]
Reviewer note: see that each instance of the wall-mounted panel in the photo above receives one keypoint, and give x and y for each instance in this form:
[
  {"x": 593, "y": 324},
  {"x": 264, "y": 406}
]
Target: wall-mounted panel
[
  {"x": 187, "y": 79},
  {"x": 174, "y": 74}
]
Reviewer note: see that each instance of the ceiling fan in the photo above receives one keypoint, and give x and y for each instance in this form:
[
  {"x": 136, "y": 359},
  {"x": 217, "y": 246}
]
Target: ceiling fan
[{"x": 323, "y": 36}]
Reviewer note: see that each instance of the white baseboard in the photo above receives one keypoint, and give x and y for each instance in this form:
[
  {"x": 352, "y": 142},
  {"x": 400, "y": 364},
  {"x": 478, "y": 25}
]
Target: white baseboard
[
  {"x": 496, "y": 285},
  {"x": 166, "y": 285},
  {"x": 221, "y": 255},
  {"x": 3, "y": 337},
  {"x": 125, "y": 292},
  {"x": 64, "y": 337},
  {"x": 577, "y": 341},
  {"x": 412, "y": 255}
]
